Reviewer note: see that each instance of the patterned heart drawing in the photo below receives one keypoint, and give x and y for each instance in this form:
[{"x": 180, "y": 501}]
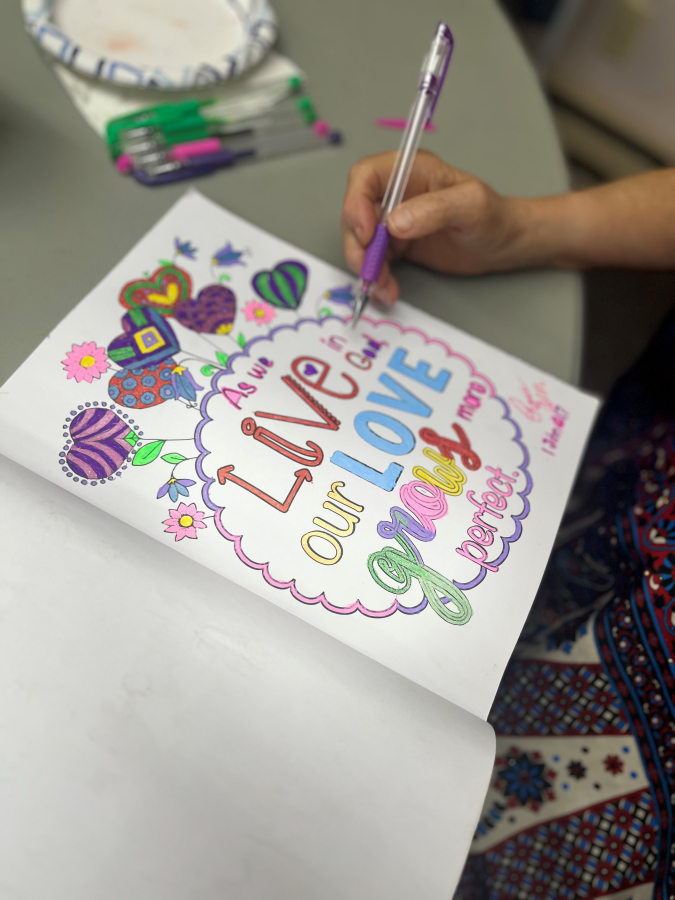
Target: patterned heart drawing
[
  {"x": 143, "y": 388},
  {"x": 147, "y": 339},
  {"x": 283, "y": 286},
  {"x": 102, "y": 441},
  {"x": 212, "y": 311},
  {"x": 166, "y": 287}
]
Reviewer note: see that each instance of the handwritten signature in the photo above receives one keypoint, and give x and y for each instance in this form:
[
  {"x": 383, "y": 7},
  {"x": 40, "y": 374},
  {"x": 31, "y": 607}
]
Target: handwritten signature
[{"x": 534, "y": 402}]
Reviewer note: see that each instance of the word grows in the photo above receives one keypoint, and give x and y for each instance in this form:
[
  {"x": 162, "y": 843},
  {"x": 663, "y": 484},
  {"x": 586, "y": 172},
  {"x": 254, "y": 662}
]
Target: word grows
[
  {"x": 334, "y": 532},
  {"x": 423, "y": 505},
  {"x": 447, "y": 475}
]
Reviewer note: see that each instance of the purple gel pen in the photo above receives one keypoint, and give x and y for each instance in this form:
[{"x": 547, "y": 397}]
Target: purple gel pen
[{"x": 434, "y": 67}]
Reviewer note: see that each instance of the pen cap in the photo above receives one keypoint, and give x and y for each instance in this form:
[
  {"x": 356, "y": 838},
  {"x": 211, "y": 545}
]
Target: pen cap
[{"x": 435, "y": 64}]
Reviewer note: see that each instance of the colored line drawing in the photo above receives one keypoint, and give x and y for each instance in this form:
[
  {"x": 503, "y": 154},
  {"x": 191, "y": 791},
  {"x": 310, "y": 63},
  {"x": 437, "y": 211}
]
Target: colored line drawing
[
  {"x": 284, "y": 285},
  {"x": 86, "y": 361},
  {"x": 144, "y": 387},
  {"x": 290, "y": 585},
  {"x": 259, "y": 312},
  {"x": 212, "y": 311},
  {"x": 228, "y": 256},
  {"x": 166, "y": 287},
  {"x": 184, "y": 521},
  {"x": 184, "y": 248},
  {"x": 99, "y": 443}
]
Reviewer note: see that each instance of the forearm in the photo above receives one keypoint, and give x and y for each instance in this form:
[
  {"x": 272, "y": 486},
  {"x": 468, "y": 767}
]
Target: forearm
[{"x": 627, "y": 224}]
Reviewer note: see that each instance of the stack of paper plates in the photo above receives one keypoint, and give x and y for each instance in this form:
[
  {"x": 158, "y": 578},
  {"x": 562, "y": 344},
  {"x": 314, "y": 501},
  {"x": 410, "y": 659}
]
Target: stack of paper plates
[{"x": 167, "y": 44}]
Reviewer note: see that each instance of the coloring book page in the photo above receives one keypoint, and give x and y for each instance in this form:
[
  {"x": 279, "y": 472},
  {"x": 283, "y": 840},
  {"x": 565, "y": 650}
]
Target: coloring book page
[{"x": 398, "y": 485}]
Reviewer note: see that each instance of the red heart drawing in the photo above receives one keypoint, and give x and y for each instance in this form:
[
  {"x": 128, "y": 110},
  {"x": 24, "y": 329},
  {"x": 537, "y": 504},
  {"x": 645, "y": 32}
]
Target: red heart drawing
[{"x": 166, "y": 287}]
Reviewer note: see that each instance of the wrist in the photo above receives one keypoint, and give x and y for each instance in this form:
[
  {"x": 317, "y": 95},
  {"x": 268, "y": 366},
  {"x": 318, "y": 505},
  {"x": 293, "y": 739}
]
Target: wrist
[{"x": 547, "y": 231}]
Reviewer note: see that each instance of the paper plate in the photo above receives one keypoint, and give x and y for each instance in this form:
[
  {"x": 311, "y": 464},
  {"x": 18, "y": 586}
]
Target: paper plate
[{"x": 167, "y": 44}]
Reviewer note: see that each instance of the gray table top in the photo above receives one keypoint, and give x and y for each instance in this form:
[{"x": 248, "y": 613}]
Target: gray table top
[{"x": 66, "y": 216}]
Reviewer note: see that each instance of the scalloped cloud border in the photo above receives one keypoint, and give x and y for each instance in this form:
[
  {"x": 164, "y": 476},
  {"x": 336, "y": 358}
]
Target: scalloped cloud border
[{"x": 356, "y": 606}]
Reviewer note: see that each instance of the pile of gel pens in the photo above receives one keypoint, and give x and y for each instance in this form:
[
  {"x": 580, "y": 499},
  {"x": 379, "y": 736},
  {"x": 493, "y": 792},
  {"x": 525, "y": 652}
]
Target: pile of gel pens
[{"x": 172, "y": 141}]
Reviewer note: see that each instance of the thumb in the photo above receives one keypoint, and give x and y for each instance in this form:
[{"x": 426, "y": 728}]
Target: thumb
[{"x": 428, "y": 213}]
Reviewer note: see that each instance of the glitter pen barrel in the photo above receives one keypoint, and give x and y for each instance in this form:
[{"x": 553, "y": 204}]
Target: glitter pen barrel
[{"x": 432, "y": 76}]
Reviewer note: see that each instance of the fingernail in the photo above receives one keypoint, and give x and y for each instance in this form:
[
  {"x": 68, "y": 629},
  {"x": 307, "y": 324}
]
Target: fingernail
[
  {"x": 358, "y": 231},
  {"x": 401, "y": 219}
]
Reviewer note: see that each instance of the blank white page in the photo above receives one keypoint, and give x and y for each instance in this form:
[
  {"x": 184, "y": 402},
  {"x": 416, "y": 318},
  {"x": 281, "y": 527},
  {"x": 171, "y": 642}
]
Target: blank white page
[{"x": 168, "y": 734}]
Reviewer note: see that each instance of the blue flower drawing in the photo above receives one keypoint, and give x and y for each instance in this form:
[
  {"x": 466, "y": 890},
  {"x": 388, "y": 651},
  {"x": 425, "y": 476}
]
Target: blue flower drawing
[
  {"x": 174, "y": 487},
  {"x": 228, "y": 256},
  {"x": 184, "y": 248},
  {"x": 184, "y": 384}
]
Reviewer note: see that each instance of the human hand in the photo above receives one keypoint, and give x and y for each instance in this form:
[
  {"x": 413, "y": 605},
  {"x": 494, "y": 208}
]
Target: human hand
[{"x": 448, "y": 221}]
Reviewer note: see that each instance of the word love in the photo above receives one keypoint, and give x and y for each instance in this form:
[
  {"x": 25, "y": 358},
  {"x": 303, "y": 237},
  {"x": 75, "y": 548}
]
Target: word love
[
  {"x": 402, "y": 439},
  {"x": 423, "y": 505},
  {"x": 481, "y": 533}
]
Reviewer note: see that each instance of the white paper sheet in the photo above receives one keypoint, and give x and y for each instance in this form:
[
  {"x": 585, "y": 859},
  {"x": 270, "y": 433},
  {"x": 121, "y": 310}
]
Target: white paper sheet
[
  {"x": 168, "y": 735},
  {"x": 316, "y": 457}
]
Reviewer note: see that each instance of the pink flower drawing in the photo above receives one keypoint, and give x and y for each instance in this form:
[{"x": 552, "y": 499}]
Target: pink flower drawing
[
  {"x": 85, "y": 362},
  {"x": 259, "y": 312},
  {"x": 184, "y": 521}
]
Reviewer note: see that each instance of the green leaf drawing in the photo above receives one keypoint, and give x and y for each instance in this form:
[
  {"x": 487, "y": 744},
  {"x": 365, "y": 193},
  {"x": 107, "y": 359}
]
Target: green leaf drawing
[
  {"x": 174, "y": 458},
  {"x": 147, "y": 454},
  {"x": 325, "y": 311},
  {"x": 207, "y": 370},
  {"x": 222, "y": 358},
  {"x": 224, "y": 277},
  {"x": 241, "y": 340}
]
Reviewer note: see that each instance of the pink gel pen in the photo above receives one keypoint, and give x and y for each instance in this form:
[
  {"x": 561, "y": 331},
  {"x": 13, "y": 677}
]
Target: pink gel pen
[{"x": 434, "y": 67}]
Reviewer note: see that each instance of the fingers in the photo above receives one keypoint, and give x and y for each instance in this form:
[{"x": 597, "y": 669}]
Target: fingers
[
  {"x": 368, "y": 181},
  {"x": 387, "y": 289},
  {"x": 366, "y": 187},
  {"x": 455, "y": 206}
]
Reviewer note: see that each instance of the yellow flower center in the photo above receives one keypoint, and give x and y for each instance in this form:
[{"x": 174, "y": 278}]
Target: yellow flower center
[
  {"x": 87, "y": 361},
  {"x": 259, "y": 312},
  {"x": 185, "y": 521}
]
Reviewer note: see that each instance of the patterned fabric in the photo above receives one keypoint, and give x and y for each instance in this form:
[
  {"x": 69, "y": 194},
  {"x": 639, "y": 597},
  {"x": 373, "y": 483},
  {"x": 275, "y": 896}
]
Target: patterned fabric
[{"x": 584, "y": 781}]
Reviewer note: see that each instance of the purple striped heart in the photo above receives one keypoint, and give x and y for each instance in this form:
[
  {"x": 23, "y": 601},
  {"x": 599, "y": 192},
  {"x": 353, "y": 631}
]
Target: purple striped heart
[{"x": 101, "y": 443}]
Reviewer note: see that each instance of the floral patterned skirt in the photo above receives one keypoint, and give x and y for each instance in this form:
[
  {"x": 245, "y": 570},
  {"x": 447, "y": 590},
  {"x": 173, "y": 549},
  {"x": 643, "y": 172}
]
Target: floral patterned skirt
[{"x": 581, "y": 800}]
